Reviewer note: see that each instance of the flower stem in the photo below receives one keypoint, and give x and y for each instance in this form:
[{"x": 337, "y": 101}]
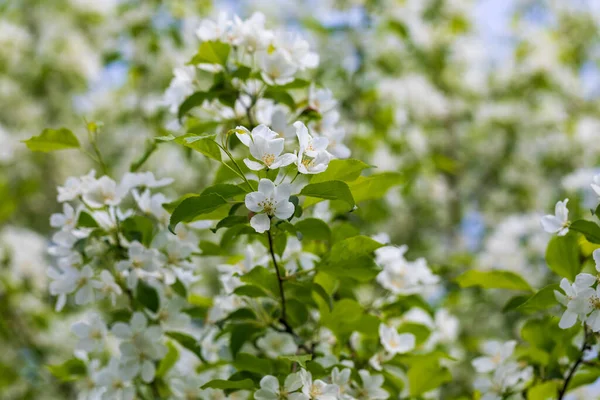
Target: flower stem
[{"x": 584, "y": 347}]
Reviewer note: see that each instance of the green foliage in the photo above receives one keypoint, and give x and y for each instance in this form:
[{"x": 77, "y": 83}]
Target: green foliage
[
  {"x": 329, "y": 190},
  {"x": 202, "y": 144},
  {"x": 541, "y": 300},
  {"x": 70, "y": 370},
  {"x": 229, "y": 384},
  {"x": 493, "y": 280},
  {"x": 147, "y": 296},
  {"x": 562, "y": 256},
  {"x": 211, "y": 52},
  {"x": 53, "y": 140},
  {"x": 589, "y": 229},
  {"x": 193, "y": 208}
]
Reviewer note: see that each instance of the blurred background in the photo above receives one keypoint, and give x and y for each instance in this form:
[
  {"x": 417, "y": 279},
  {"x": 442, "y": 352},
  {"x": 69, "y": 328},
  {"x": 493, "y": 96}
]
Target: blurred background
[{"x": 488, "y": 109}]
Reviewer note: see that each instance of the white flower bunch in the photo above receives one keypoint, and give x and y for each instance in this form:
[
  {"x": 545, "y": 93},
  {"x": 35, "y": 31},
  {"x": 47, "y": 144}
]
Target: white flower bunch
[{"x": 501, "y": 376}]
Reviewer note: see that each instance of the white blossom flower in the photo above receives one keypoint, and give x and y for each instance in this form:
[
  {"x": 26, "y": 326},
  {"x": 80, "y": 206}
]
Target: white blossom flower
[
  {"x": 496, "y": 353},
  {"x": 91, "y": 334},
  {"x": 394, "y": 342},
  {"x": 577, "y": 300},
  {"x": 270, "y": 389},
  {"x": 270, "y": 201},
  {"x": 75, "y": 187},
  {"x": 317, "y": 390},
  {"x": 342, "y": 380},
  {"x": 210, "y": 30},
  {"x": 265, "y": 146},
  {"x": 295, "y": 49},
  {"x": 117, "y": 382},
  {"x": 276, "y": 68},
  {"x": 181, "y": 86},
  {"x": 103, "y": 191},
  {"x": 67, "y": 220},
  {"x": 596, "y": 184},
  {"x": 313, "y": 157},
  {"x": 275, "y": 344},
  {"x": 147, "y": 179},
  {"x": 559, "y": 222},
  {"x": 371, "y": 387},
  {"x": 152, "y": 204},
  {"x": 141, "y": 262},
  {"x": 107, "y": 287},
  {"x": 140, "y": 345}
]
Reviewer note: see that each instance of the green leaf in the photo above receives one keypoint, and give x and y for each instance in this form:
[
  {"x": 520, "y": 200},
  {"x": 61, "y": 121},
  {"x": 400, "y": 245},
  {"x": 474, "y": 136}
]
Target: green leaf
[
  {"x": 240, "y": 334},
  {"x": 138, "y": 227},
  {"x": 374, "y": 186},
  {"x": 249, "y": 362},
  {"x": 590, "y": 230},
  {"x": 246, "y": 384},
  {"x": 168, "y": 360},
  {"x": 280, "y": 96},
  {"x": 202, "y": 144},
  {"x": 250, "y": 291},
  {"x": 193, "y": 207},
  {"x": 263, "y": 278},
  {"x": 206, "y": 128},
  {"x": 147, "y": 296},
  {"x": 544, "y": 391},
  {"x": 301, "y": 359},
  {"x": 329, "y": 190},
  {"x": 562, "y": 256},
  {"x": 194, "y": 100},
  {"x": 187, "y": 341},
  {"x": 493, "y": 280},
  {"x": 352, "y": 258},
  {"x": 343, "y": 319},
  {"x": 322, "y": 293},
  {"x": 542, "y": 300},
  {"x": 313, "y": 229},
  {"x": 231, "y": 220},
  {"x": 52, "y": 140},
  {"x": 179, "y": 288},
  {"x": 70, "y": 370},
  {"x": 211, "y": 52},
  {"x": 225, "y": 190},
  {"x": 341, "y": 170},
  {"x": 426, "y": 375},
  {"x": 85, "y": 220},
  {"x": 295, "y": 84}
]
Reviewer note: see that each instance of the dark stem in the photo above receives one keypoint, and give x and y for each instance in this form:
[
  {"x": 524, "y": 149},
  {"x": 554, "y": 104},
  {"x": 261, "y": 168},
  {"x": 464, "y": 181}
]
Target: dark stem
[
  {"x": 150, "y": 148},
  {"x": 584, "y": 346},
  {"x": 279, "y": 280}
]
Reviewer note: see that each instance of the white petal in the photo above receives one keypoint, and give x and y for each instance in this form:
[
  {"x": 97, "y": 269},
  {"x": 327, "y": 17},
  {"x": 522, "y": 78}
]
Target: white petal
[
  {"x": 252, "y": 200},
  {"x": 584, "y": 280},
  {"x": 284, "y": 160},
  {"x": 253, "y": 165},
  {"x": 284, "y": 209},
  {"x": 551, "y": 224},
  {"x": 567, "y": 320},
  {"x": 148, "y": 371},
  {"x": 260, "y": 222},
  {"x": 266, "y": 187},
  {"x": 270, "y": 382}
]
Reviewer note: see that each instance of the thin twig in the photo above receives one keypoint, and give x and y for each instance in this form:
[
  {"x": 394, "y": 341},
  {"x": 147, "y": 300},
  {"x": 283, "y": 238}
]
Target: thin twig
[{"x": 584, "y": 347}]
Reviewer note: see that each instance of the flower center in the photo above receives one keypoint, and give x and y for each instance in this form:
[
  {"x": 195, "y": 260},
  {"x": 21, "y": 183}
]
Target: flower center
[
  {"x": 267, "y": 206},
  {"x": 268, "y": 159},
  {"x": 595, "y": 302}
]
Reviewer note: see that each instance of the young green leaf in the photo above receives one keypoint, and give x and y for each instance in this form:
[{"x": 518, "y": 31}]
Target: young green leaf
[
  {"x": 493, "y": 280},
  {"x": 52, "y": 140},
  {"x": 562, "y": 256},
  {"x": 192, "y": 208},
  {"x": 329, "y": 190}
]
